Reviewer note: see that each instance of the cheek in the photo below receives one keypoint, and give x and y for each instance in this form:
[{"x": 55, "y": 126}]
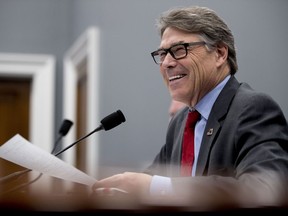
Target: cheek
[
  {"x": 196, "y": 67},
  {"x": 200, "y": 65},
  {"x": 162, "y": 72},
  {"x": 164, "y": 75}
]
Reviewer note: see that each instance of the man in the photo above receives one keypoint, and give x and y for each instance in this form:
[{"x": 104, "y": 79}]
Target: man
[{"x": 241, "y": 136}]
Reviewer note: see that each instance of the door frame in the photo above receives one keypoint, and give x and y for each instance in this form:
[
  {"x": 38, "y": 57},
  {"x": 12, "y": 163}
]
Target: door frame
[
  {"x": 41, "y": 69},
  {"x": 84, "y": 49}
]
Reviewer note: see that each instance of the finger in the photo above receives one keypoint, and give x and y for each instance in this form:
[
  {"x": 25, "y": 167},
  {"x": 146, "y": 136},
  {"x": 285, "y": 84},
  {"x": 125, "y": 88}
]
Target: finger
[{"x": 109, "y": 182}]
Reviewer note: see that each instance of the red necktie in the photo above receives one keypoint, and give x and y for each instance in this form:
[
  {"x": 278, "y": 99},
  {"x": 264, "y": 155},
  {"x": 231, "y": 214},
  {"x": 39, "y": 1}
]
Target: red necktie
[{"x": 188, "y": 144}]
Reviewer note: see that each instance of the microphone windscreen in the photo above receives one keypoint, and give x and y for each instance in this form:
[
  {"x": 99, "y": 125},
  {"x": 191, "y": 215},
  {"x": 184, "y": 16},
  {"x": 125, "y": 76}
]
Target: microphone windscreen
[
  {"x": 113, "y": 120},
  {"x": 65, "y": 127}
]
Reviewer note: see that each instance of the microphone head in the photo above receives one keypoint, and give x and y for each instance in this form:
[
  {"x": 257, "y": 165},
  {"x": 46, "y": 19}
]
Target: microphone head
[
  {"x": 65, "y": 127},
  {"x": 113, "y": 120}
]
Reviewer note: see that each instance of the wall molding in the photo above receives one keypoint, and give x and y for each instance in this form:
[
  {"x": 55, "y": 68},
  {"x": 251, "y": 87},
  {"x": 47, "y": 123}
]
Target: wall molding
[{"x": 85, "y": 49}]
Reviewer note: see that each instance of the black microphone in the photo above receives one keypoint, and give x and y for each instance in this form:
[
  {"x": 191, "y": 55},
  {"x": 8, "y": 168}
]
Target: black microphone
[
  {"x": 64, "y": 129},
  {"x": 107, "y": 123}
]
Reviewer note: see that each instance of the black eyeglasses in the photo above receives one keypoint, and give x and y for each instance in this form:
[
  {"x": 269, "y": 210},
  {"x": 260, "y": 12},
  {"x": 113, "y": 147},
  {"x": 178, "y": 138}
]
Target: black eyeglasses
[{"x": 177, "y": 51}]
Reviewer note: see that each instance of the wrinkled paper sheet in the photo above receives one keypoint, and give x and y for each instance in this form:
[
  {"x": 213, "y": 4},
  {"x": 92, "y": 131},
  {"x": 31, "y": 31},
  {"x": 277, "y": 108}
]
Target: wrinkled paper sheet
[{"x": 20, "y": 151}]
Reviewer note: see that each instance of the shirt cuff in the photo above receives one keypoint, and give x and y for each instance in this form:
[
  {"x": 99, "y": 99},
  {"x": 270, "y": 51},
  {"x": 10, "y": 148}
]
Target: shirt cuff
[{"x": 161, "y": 185}]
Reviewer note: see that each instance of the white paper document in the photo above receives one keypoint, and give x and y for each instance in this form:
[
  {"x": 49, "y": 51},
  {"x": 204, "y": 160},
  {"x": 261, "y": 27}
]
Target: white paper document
[{"x": 20, "y": 151}]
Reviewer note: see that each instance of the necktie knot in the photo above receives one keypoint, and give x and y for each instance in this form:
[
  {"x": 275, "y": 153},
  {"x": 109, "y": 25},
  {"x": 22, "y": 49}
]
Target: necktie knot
[{"x": 192, "y": 118}]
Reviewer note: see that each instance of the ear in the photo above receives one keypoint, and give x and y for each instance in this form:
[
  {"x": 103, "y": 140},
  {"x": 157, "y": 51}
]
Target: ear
[{"x": 221, "y": 54}]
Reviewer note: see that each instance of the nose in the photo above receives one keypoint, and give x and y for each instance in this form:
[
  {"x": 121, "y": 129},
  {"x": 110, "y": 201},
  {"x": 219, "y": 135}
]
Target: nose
[{"x": 168, "y": 61}]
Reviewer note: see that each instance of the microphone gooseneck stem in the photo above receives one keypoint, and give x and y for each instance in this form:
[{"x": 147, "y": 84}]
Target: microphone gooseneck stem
[
  {"x": 22, "y": 185},
  {"x": 97, "y": 129},
  {"x": 14, "y": 175}
]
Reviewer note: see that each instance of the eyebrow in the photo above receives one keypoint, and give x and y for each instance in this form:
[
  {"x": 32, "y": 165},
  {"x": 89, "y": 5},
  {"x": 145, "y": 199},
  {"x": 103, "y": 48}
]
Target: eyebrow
[{"x": 173, "y": 44}]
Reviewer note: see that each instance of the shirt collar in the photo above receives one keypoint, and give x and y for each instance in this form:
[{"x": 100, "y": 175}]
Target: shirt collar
[{"x": 204, "y": 106}]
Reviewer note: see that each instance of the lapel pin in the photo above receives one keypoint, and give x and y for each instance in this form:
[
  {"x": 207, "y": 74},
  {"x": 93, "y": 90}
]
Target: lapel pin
[{"x": 210, "y": 132}]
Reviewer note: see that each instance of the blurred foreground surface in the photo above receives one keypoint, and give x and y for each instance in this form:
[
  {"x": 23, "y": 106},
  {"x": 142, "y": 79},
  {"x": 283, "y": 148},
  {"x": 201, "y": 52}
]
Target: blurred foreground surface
[{"x": 85, "y": 202}]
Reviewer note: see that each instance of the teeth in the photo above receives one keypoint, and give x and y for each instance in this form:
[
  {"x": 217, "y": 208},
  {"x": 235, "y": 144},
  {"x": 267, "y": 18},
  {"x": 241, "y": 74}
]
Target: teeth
[{"x": 175, "y": 77}]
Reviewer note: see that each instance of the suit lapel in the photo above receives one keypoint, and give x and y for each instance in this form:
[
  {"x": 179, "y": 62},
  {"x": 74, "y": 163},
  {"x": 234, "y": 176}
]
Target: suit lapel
[
  {"x": 213, "y": 126},
  {"x": 207, "y": 140}
]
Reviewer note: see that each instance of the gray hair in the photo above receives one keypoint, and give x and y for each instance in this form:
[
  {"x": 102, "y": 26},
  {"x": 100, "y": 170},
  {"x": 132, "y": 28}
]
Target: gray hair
[{"x": 204, "y": 22}]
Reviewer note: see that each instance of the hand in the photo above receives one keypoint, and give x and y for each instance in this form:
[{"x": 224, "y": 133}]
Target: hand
[{"x": 136, "y": 184}]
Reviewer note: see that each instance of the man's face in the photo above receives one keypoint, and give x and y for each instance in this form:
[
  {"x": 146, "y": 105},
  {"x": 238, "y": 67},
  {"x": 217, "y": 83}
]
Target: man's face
[{"x": 190, "y": 78}]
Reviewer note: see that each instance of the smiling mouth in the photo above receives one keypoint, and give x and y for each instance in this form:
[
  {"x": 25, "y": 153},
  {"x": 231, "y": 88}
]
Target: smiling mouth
[{"x": 172, "y": 78}]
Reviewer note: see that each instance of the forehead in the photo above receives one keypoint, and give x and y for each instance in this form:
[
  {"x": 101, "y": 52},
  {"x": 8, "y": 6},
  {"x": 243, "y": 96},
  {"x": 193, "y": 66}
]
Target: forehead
[{"x": 172, "y": 36}]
